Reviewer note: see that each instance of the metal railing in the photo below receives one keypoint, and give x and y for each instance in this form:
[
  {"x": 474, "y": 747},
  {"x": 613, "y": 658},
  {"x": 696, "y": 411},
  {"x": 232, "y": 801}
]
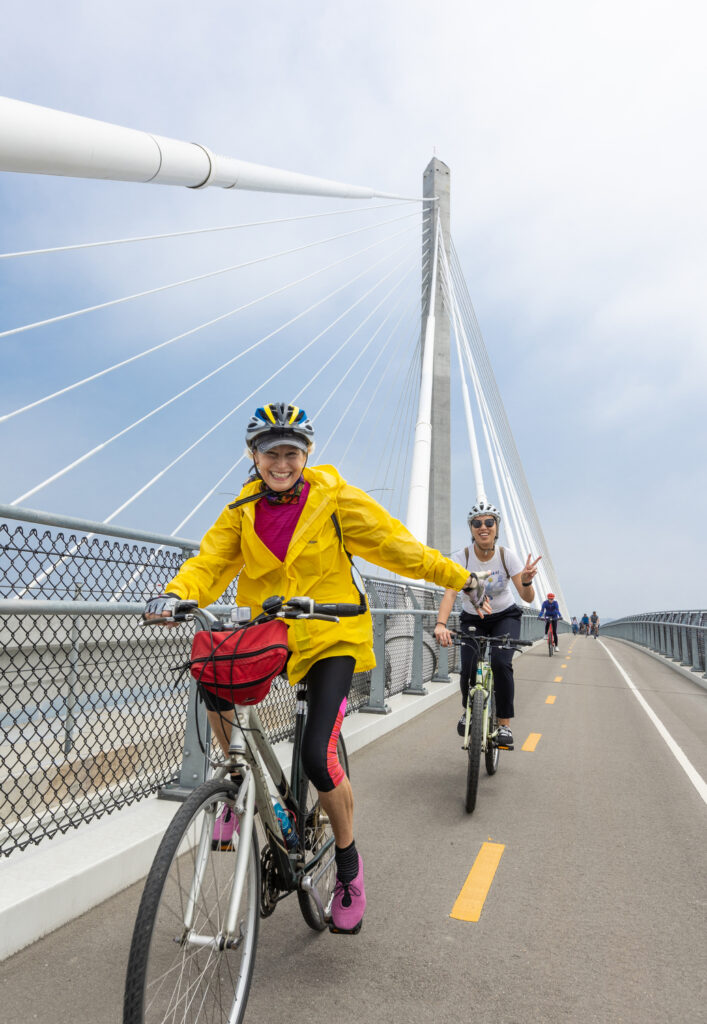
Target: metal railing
[
  {"x": 97, "y": 712},
  {"x": 680, "y": 636}
]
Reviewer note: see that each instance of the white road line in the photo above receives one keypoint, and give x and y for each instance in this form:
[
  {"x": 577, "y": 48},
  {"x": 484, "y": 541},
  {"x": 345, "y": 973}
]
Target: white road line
[{"x": 693, "y": 775}]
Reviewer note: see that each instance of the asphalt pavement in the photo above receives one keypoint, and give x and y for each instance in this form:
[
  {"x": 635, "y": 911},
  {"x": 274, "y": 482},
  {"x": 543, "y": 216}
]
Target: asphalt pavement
[{"x": 596, "y": 912}]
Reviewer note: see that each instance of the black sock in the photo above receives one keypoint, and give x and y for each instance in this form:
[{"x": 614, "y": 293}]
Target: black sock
[{"x": 346, "y": 862}]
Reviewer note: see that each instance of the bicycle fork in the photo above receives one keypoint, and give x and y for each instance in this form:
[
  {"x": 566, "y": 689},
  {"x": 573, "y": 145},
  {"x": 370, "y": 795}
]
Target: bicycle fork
[{"x": 244, "y": 808}]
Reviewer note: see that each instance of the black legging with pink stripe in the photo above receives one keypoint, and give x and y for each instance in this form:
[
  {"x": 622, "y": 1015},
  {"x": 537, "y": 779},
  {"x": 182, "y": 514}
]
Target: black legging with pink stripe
[{"x": 328, "y": 684}]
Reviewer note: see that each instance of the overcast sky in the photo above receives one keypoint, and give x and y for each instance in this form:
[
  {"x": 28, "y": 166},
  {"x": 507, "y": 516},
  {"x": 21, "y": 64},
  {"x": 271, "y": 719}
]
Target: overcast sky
[{"x": 576, "y": 141}]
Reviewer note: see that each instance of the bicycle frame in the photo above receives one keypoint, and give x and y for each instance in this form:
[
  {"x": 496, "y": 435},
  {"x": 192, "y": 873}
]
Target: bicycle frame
[
  {"x": 253, "y": 792},
  {"x": 484, "y": 683}
]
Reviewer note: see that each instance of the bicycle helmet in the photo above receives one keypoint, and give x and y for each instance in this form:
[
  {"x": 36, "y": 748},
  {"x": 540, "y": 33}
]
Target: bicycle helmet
[
  {"x": 484, "y": 508},
  {"x": 279, "y": 423},
  {"x": 551, "y": 597}
]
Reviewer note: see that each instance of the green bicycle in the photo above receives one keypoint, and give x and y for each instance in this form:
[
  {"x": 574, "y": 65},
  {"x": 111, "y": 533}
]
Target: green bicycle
[{"x": 481, "y": 722}]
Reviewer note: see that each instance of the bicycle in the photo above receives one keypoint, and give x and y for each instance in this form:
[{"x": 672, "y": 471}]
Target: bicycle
[
  {"x": 550, "y": 636},
  {"x": 481, "y": 723},
  {"x": 193, "y": 947}
]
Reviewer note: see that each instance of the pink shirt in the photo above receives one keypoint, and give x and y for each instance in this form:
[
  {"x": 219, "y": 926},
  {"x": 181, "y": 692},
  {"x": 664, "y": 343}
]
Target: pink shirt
[{"x": 275, "y": 524}]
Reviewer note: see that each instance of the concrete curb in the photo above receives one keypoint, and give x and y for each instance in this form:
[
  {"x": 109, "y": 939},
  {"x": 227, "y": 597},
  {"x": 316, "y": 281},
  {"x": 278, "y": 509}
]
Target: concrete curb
[{"x": 44, "y": 887}]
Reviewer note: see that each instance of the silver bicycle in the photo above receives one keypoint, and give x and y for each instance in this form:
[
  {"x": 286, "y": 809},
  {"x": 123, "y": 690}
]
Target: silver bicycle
[{"x": 193, "y": 947}]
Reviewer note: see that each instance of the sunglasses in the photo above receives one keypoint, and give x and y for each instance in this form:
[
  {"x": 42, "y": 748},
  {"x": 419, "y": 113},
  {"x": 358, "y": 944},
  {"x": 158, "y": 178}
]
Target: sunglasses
[{"x": 488, "y": 523}]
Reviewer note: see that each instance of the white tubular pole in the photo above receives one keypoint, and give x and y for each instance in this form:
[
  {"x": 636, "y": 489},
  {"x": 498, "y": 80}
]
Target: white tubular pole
[
  {"x": 458, "y": 332},
  {"x": 39, "y": 140},
  {"x": 480, "y": 492},
  {"x": 418, "y": 495}
]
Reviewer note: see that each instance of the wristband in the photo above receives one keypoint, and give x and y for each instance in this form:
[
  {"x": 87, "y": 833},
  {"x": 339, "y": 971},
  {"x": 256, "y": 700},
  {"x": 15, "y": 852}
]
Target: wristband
[
  {"x": 524, "y": 584},
  {"x": 438, "y": 623}
]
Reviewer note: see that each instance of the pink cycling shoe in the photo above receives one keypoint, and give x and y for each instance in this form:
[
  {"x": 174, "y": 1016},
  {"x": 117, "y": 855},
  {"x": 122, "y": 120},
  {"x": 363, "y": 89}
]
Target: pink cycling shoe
[
  {"x": 348, "y": 904},
  {"x": 226, "y": 824}
]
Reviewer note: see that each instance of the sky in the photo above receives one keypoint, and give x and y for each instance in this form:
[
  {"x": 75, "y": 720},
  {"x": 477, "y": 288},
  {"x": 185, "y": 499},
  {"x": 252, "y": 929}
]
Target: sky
[{"x": 576, "y": 143}]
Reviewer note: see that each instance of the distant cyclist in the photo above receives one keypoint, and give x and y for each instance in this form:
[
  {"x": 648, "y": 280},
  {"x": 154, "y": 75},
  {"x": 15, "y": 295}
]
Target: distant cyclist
[
  {"x": 594, "y": 620},
  {"x": 504, "y": 565},
  {"x": 584, "y": 624},
  {"x": 289, "y": 533},
  {"x": 575, "y": 625},
  {"x": 550, "y": 611}
]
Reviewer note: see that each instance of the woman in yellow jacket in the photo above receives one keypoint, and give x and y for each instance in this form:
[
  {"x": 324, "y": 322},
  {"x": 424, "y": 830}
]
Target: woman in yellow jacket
[{"x": 285, "y": 535}]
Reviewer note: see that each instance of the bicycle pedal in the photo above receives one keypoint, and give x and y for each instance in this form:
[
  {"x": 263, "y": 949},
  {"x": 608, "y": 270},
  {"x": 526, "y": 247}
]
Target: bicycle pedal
[
  {"x": 345, "y": 931},
  {"x": 502, "y": 746}
]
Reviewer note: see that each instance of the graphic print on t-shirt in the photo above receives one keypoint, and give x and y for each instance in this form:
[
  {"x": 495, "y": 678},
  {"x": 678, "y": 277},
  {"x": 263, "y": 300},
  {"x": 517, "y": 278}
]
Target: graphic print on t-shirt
[{"x": 497, "y": 586}]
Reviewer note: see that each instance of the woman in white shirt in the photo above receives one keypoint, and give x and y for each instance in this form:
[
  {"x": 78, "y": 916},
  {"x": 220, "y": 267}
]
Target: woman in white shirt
[{"x": 502, "y": 565}]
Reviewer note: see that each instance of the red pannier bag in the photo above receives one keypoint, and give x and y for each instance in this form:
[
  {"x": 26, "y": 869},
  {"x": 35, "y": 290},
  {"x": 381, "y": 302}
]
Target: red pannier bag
[{"x": 239, "y": 665}]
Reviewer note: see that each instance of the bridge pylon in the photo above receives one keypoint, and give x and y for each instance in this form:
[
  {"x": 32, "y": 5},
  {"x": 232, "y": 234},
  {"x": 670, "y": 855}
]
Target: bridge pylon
[{"x": 436, "y": 183}]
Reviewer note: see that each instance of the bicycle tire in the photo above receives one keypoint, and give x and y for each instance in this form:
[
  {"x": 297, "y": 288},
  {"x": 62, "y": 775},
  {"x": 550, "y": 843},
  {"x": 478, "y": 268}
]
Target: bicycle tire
[
  {"x": 166, "y": 979},
  {"x": 492, "y": 752},
  {"x": 550, "y": 646},
  {"x": 318, "y": 830},
  {"x": 474, "y": 751}
]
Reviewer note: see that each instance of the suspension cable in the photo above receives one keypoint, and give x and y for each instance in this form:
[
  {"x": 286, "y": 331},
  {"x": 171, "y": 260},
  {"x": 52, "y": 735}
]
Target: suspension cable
[
  {"x": 228, "y": 472},
  {"x": 200, "y": 231},
  {"x": 191, "y": 387},
  {"x": 383, "y": 376},
  {"x": 199, "y": 277},
  {"x": 223, "y": 419},
  {"x": 381, "y": 349},
  {"x": 199, "y": 327}
]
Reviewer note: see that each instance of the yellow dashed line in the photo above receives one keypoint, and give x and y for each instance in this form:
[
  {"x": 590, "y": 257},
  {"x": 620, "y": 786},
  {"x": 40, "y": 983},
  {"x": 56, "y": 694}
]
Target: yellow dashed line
[
  {"x": 557, "y": 679},
  {"x": 550, "y": 700},
  {"x": 563, "y": 666},
  {"x": 470, "y": 900},
  {"x": 532, "y": 741}
]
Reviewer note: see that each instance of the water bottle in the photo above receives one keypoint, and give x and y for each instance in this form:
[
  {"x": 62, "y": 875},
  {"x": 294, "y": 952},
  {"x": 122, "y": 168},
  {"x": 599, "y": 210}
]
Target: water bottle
[{"x": 288, "y": 830}]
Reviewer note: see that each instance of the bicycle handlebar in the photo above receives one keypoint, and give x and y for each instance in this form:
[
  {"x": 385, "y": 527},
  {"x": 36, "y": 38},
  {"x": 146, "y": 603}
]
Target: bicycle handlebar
[
  {"x": 273, "y": 607},
  {"x": 507, "y": 640}
]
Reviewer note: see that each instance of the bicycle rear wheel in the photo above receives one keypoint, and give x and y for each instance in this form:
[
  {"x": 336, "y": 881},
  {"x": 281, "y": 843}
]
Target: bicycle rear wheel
[
  {"x": 491, "y": 752},
  {"x": 474, "y": 750},
  {"x": 317, "y": 832},
  {"x": 175, "y": 973}
]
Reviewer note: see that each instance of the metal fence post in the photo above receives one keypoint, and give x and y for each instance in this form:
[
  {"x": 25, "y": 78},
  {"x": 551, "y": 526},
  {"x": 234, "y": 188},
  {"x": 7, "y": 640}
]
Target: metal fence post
[
  {"x": 685, "y": 642},
  {"x": 72, "y": 679},
  {"x": 376, "y": 697},
  {"x": 442, "y": 673},
  {"x": 694, "y": 644},
  {"x": 415, "y": 687},
  {"x": 195, "y": 762}
]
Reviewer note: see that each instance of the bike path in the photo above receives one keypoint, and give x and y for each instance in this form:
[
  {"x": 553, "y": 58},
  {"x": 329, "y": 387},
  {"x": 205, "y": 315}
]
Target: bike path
[{"x": 596, "y": 911}]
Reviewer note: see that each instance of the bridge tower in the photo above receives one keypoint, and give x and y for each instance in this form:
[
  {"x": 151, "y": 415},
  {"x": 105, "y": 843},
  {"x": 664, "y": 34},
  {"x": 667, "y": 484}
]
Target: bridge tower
[{"x": 435, "y": 182}]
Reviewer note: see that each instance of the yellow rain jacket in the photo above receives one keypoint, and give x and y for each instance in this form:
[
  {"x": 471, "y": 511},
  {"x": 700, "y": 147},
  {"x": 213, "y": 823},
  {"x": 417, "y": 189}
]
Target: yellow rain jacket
[{"x": 315, "y": 565}]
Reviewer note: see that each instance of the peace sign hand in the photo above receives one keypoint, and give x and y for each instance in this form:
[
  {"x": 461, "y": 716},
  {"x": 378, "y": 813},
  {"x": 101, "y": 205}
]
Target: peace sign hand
[{"x": 529, "y": 571}]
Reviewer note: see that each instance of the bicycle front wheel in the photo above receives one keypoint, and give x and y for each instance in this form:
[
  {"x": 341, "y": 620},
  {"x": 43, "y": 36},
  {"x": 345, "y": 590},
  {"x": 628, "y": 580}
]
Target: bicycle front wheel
[
  {"x": 181, "y": 965},
  {"x": 317, "y": 833},
  {"x": 474, "y": 750}
]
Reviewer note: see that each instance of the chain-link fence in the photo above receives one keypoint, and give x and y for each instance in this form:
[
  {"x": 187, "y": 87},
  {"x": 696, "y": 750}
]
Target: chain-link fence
[
  {"x": 94, "y": 707},
  {"x": 680, "y": 636}
]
